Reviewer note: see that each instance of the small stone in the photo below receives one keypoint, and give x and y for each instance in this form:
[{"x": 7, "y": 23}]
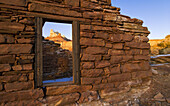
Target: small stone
[
  {"x": 168, "y": 100},
  {"x": 158, "y": 96},
  {"x": 5, "y": 67},
  {"x": 154, "y": 71}
]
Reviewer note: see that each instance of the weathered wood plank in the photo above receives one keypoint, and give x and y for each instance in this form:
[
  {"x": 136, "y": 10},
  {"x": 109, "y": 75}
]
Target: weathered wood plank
[
  {"x": 76, "y": 52},
  {"x": 38, "y": 52}
]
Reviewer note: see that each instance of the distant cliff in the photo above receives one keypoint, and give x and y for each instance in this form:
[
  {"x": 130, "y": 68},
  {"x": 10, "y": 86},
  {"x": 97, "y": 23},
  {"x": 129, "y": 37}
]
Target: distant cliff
[
  {"x": 160, "y": 46},
  {"x": 61, "y": 39}
]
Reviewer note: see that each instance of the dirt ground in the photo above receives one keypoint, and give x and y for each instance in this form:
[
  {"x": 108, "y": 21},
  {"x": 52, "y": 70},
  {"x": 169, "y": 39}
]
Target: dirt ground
[{"x": 159, "y": 93}]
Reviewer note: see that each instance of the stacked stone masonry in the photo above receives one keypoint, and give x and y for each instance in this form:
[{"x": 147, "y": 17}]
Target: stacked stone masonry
[{"x": 114, "y": 59}]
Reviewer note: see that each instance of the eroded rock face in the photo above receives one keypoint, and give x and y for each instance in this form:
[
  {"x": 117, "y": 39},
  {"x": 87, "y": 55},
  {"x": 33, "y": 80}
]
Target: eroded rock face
[
  {"x": 64, "y": 42},
  {"x": 160, "y": 46},
  {"x": 57, "y": 62}
]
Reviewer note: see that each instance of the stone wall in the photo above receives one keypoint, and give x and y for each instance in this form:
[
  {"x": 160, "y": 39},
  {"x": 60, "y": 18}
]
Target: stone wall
[{"x": 114, "y": 53}]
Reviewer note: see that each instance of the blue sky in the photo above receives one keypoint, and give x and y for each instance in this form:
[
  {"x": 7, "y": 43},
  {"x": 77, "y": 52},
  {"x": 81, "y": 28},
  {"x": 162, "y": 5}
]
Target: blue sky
[
  {"x": 64, "y": 29},
  {"x": 154, "y": 13}
]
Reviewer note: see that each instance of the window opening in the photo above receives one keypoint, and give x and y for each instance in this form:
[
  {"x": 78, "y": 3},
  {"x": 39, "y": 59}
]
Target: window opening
[
  {"x": 57, "y": 59},
  {"x": 57, "y": 52}
]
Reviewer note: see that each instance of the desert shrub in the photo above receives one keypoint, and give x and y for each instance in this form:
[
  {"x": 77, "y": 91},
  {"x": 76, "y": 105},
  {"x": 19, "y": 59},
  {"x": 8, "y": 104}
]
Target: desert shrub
[
  {"x": 168, "y": 36},
  {"x": 161, "y": 44}
]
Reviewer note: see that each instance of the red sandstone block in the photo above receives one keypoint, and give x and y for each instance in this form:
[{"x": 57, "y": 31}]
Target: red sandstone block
[
  {"x": 31, "y": 76},
  {"x": 101, "y": 28},
  {"x": 141, "y": 74},
  {"x": 98, "y": 57},
  {"x": 130, "y": 25},
  {"x": 91, "y": 80},
  {"x": 15, "y": 48},
  {"x": 85, "y": 27},
  {"x": 88, "y": 57},
  {"x": 27, "y": 56},
  {"x": 47, "y": 8},
  {"x": 92, "y": 15},
  {"x": 119, "y": 77},
  {"x": 90, "y": 5},
  {"x": 21, "y": 95},
  {"x": 123, "y": 18},
  {"x": 106, "y": 57},
  {"x": 127, "y": 58},
  {"x": 141, "y": 39},
  {"x": 118, "y": 46},
  {"x": 29, "y": 28},
  {"x": 132, "y": 44},
  {"x": 5, "y": 67},
  {"x": 102, "y": 35},
  {"x": 25, "y": 103},
  {"x": 7, "y": 59},
  {"x": 144, "y": 39},
  {"x": 116, "y": 59},
  {"x": 27, "y": 21},
  {"x": 92, "y": 73},
  {"x": 88, "y": 65},
  {"x": 144, "y": 46},
  {"x": 115, "y": 38},
  {"x": 126, "y": 37},
  {"x": 22, "y": 40},
  {"x": 23, "y": 77},
  {"x": 74, "y": 3},
  {"x": 2, "y": 39},
  {"x": 129, "y": 67},
  {"x": 11, "y": 26},
  {"x": 108, "y": 45},
  {"x": 9, "y": 78},
  {"x": 102, "y": 64},
  {"x": 86, "y": 34},
  {"x": 141, "y": 57},
  {"x": 56, "y": 90},
  {"x": 115, "y": 52},
  {"x": 133, "y": 51},
  {"x": 113, "y": 70},
  {"x": 103, "y": 86},
  {"x": 88, "y": 96},
  {"x": 27, "y": 67},
  {"x": 17, "y": 67},
  {"x": 145, "y": 65},
  {"x": 145, "y": 52},
  {"x": 95, "y": 50},
  {"x": 14, "y": 2},
  {"x": 16, "y": 86},
  {"x": 92, "y": 42},
  {"x": 7, "y": 38},
  {"x": 109, "y": 17}
]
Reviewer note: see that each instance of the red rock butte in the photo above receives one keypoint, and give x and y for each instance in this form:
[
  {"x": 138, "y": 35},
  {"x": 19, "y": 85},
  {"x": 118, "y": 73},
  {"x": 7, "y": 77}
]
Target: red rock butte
[{"x": 64, "y": 42}]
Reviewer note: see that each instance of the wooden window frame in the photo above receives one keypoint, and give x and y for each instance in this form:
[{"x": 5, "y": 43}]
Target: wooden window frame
[{"x": 39, "y": 55}]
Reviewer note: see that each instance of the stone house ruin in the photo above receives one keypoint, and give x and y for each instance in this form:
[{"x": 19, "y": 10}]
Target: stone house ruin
[{"x": 110, "y": 53}]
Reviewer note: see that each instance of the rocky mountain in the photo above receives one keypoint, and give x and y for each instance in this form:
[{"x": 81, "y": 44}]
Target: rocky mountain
[
  {"x": 160, "y": 46},
  {"x": 61, "y": 39}
]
